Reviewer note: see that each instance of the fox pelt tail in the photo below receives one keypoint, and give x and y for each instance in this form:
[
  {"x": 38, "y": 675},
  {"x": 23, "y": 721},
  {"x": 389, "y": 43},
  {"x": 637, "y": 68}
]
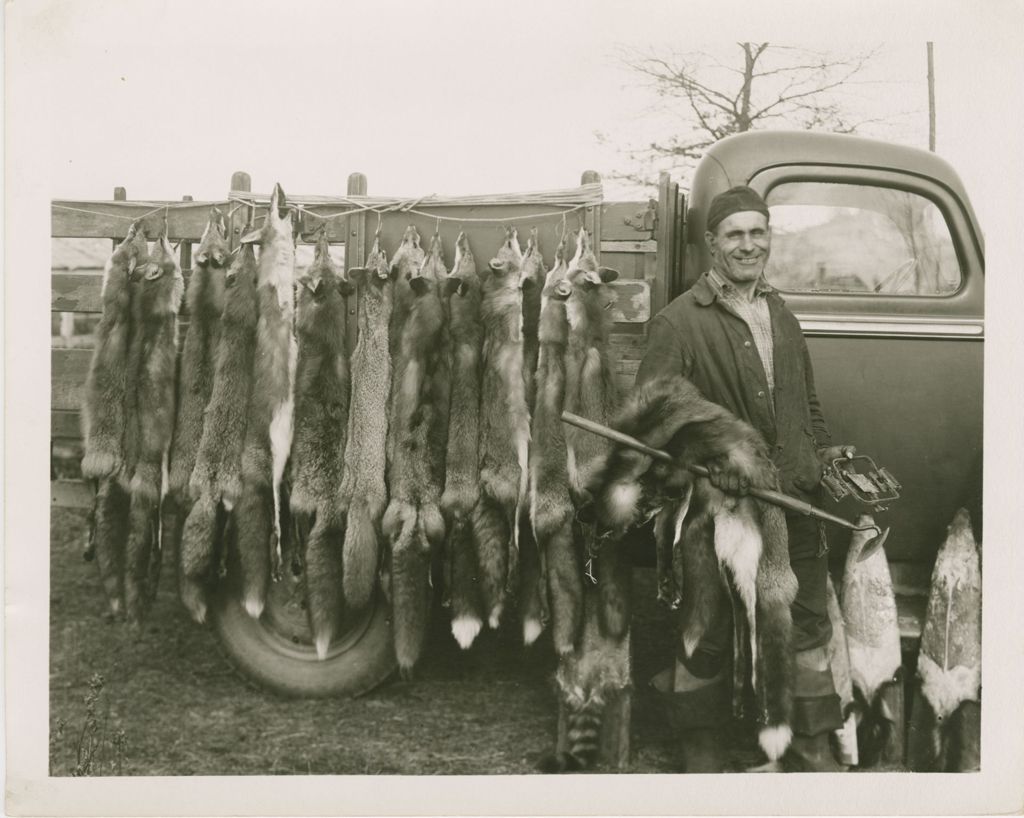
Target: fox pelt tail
[
  {"x": 491, "y": 534},
  {"x": 143, "y": 540},
  {"x": 463, "y": 581},
  {"x": 776, "y": 589},
  {"x": 533, "y": 590},
  {"x": 565, "y": 589},
  {"x": 196, "y": 555},
  {"x": 361, "y": 553},
  {"x": 108, "y": 537},
  {"x": 254, "y": 529},
  {"x": 410, "y": 582},
  {"x": 323, "y": 561}
]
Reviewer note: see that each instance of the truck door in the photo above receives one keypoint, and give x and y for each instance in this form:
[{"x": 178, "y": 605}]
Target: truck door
[{"x": 884, "y": 271}]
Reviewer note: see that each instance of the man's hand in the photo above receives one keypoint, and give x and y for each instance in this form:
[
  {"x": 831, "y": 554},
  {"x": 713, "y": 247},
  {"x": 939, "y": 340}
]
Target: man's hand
[
  {"x": 726, "y": 477},
  {"x": 827, "y": 454}
]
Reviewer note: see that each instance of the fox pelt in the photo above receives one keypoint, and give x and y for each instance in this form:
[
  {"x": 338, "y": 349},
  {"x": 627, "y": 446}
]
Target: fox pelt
[
  {"x": 747, "y": 536},
  {"x": 461, "y": 489},
  {"x": 551, "y": 508},
  {"x": 152, "y": 353},
  {"x": 322, "y": 388},
  {"x": 268, "y": 432},
  {"x": 504, "y": 429},
  {"x": 205, "y": 297},
  {"x": 104, "y": 415},
  {"x": 216, "y": 481},
  {"x": 362, "y": 495},
  {"x": 413, "y": 522}
]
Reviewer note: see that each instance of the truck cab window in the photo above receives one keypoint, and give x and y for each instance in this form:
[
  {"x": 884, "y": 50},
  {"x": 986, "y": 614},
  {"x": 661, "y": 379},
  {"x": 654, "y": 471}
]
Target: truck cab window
[{"x": 842, "y": 238}]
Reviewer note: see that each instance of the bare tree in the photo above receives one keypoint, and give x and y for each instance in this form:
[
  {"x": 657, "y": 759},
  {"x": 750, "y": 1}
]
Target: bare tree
[{"x": 759, "y": 85}]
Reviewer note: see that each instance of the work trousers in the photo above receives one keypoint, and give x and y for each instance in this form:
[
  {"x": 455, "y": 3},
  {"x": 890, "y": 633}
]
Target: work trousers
[{"x": 815, "y": 703}]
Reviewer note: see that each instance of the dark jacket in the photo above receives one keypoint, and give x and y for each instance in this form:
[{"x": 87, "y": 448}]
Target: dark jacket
[{"x": 703, "y": 339}]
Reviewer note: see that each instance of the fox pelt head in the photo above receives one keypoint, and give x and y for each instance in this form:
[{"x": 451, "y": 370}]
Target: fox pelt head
[{"x": 669, "y": 413}]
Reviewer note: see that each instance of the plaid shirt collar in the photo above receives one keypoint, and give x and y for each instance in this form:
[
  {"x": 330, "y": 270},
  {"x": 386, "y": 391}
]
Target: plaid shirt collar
[{"x": 725, "y": 289}]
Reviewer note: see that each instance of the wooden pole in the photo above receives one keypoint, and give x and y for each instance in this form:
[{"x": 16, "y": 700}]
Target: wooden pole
[
  {"x": 931, "y": 97},
  {"x": 185, "y": 257},
  {"x": 242, "y": 182},
  {"x": 355, "y": 253}
]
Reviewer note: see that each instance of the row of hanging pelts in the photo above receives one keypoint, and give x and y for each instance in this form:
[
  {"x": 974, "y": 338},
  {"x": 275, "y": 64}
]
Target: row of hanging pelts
[{"x": 415, "y": 443}]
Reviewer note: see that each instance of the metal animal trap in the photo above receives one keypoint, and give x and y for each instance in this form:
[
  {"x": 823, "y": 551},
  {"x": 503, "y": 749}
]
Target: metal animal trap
[{"x": 860, "y": 478}]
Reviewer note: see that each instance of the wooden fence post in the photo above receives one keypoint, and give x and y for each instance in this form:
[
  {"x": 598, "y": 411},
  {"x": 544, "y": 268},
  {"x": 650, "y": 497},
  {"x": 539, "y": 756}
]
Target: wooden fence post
[
  {"x": 240, "y": 181},
  {"x": 355, "y": 253},
  {"x": 592, "y": 217}
]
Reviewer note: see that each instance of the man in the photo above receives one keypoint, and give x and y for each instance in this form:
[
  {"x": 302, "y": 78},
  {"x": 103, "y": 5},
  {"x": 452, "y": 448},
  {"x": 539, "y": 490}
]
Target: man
[{"x": 733, "y": 337}]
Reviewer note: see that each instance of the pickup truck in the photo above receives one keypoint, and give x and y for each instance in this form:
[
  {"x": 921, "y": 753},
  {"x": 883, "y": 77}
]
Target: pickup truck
[{"x": 875, "y": 249}]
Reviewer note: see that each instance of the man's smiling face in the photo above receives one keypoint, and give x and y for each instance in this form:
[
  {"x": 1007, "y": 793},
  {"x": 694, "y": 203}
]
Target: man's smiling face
[{"x": 740, "y": 245}]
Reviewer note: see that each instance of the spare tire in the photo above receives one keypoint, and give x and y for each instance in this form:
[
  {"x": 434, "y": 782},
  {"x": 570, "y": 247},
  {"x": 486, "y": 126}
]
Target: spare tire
[{"x": 276, "y": 651}]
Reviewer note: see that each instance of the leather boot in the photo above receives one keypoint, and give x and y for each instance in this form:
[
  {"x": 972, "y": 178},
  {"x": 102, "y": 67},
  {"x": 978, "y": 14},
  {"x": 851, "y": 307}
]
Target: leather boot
[
  {"x": 699, "y": 712},
  {"x": 811, "y": 754}
]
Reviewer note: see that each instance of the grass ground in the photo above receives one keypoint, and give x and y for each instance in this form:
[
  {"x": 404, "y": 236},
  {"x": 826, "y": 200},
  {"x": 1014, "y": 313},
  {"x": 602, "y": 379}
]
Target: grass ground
[{"x": 184, "y": 711}]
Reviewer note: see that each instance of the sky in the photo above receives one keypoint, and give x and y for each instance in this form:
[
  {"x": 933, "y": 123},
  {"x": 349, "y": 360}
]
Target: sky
[{"x": 167, "y": 99}]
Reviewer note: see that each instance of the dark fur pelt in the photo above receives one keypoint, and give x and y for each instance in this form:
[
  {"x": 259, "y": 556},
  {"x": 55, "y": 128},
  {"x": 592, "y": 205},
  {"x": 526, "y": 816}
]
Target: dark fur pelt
[
  {"x": 216, "y": 478},
  {"x": 504, "y": 428},
  {"x": 590, "y": 388},
  {"x": 103, "y": 410},
  {"x": 268, "y": 432},
  {"x": 155, "y": 336},
  {"x": 747, "y": 537},
  {"x": 531, "y": 281},
  {"x": 412, "y": 522},
  {"x": 322, "y": 387},
  {"x": 461, "y": 489},
  {"x": 363, "y": 492},
  {"x": 205, "y": 296},
  {"x": 104, "y": 413},
  {"x": 551, "y": 508}
]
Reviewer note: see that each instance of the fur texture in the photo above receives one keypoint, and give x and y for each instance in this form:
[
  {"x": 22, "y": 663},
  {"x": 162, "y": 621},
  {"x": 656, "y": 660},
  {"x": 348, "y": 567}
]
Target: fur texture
[
  {"x": 154, "y": 336},
  {"x": 746, "y": 537},
  {"x": 322, "y": 389},
  {"x": 198, "y": 365},
  {"x": 216, "y": 478},
  {"x": 363, "y": 493},
  {"x": 551, "y": 509},
  {"x": 531, "y": 281},
  {"x": 412, "y": 522},
  {"x": 104, "y": 413},
  {"x": 461, "y": 490},
  {"x": 103, "y": 410},
  {"x": 587, "y": 681},
  {"x": 268, "y": 433},
  {"x": 504, "y": 427}
]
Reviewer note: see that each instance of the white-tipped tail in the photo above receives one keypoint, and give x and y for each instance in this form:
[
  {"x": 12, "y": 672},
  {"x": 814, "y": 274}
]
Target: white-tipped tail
[
  {"x": 775, "y": 740},
  {"x": 532, "y": 629},
  {"x": 465, "y": 630},
  {"x": 254, "y": 607},
  {"x": 323, "y": 642},
  {"x": 494, "y": 620}
]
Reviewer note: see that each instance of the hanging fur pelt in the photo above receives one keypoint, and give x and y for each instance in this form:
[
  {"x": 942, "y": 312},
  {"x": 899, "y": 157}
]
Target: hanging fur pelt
[
  {"x": 103, "y": 415},
  {"x": 591, "y": 391},
  {"x": 363, "y": 492},
  {"x": 268, "y": 433},
  {"x": 551, "y": 509},
  {"x": 533, "y": 592},
  {"x": 412, "y": 522},
  {"x": 153, "y": 350},
  {"x": 205, "y": 297},
  {"x": 216, "y": 480},
  {"x": 747, "y": 536},
  {"x": 504, "y": 429},
  {"x": 321, "y": 426},
  {"x": 461, "y": 487}
]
